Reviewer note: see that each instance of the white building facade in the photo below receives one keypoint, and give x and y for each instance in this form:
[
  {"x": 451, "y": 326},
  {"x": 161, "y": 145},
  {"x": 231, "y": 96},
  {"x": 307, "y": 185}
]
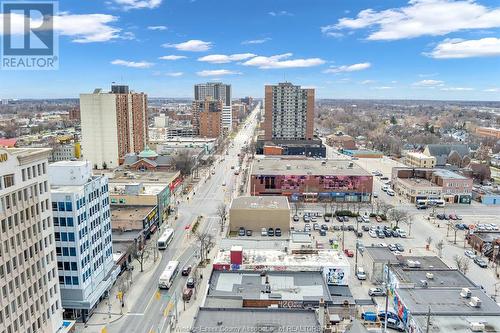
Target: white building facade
[
  {"x": 30, "y": 297},
  {"x": 82, "y": 222}
]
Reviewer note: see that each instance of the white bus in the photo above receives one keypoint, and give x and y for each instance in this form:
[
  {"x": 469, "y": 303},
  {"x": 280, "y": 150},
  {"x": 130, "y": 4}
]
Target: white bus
[
  {"x": 168, "y": 275},
  {"x": 425, "y": 203},
  {"x": 165, "y": 238}
]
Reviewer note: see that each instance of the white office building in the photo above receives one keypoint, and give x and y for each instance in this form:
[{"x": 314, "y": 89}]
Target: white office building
[
  {"x": 82, "y": 222},
  {"x": 227, "y": 118},
  {"x": 29, "y": 290}
]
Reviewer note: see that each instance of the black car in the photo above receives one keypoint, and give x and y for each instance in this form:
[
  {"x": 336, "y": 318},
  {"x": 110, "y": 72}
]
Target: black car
[
  {"x": 249, "y": 232},
  {"x": 387, "y": 233},
  {"x": 277, "y": 232},
  {"x": 340, "y": 219},
  {"x": 350, "y": 227},
  {"x": 336, "y": 227},
  {"x": 440, "y": 216},
  {"x": 394, "y": 233},
  {"x": 459, "y": 226},
  {"x": 359, "y": 234},
  {"x": 186, "y": 270},
  {"x": 327, "y": 219},
  {"x": 365, "y": 228},
  {"x": 322, "y": 232},
  {"x": 270, "y": 232},
  {"x": 190, "y": 282},
  {"x": 241, "y": 232},
  {"x": 480, "y": 262},
  {"x": 324, "y": 227},
  {"x": 380, "y": 234}
]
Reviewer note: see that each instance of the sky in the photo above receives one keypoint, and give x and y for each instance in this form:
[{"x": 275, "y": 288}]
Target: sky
[{"x": 417, "y": 49}]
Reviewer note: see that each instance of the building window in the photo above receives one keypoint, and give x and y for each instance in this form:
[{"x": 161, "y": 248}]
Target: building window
[{"x": 69, "y": 206}]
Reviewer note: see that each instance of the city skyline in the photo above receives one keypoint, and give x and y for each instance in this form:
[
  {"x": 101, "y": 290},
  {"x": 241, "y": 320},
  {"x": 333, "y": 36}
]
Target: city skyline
[{"x": 342, "y": 50}]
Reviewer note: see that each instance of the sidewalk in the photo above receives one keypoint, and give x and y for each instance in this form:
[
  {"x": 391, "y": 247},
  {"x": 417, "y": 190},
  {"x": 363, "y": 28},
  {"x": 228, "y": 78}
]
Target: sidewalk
[{"x": 101, "y": 316}]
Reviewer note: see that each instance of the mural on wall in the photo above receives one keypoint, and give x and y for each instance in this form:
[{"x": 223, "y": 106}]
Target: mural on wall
[
  {"x": 326, "y": 183},
  {"x": 335, "y": 276}
]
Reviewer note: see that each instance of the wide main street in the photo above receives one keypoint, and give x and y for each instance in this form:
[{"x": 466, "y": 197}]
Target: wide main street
[{"x": 147, "y": 314}]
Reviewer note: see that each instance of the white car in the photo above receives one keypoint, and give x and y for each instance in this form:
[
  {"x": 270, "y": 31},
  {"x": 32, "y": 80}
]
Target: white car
[
  {"x": 372, "y": 233},
  {"x": 402, "y": 233},
  {"x": 390, "y": 192},
  {"x": 469, "y": 254},
  {"x": 382, "y": 244}
]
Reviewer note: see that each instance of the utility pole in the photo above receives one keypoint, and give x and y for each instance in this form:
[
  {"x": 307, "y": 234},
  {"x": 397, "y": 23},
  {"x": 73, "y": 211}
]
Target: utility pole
[
  {"x": 428, "y": 329},
  {"x": 386, "y": 297},
  {"x": 356, "y": 258},
  {"x": 343, "y": 233}
]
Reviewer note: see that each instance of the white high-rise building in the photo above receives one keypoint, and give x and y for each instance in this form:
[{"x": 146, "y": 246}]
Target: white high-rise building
[
  {"x": 227, "y": 118},
  {"x": 30, "y": 297},
  {"x": 82, "y": 223}
]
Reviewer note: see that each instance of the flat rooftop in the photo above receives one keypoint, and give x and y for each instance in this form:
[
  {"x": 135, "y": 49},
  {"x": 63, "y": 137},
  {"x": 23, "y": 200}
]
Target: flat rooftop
[
  {"x": 446, "y": 301},
  {"x": 418, "y": 182},
  {"x": 250, "y": 243},
  {"x": 132, "y": 213},
  {"x": 260, "y": 202},
  {"x": 120, "y": 176},
  {"x": 297, "y": 286},
  {"x": 255, "y": 320},
  {"x": 26, "y": 152},
  {"x": 458, "y": 324},
  {"x": 118, "y": 188},
  {"x": 287, "y": 166},
  {"x": 445, "y": 278},
  {"x": 381, "y": 254},
  {"x": 448, "y": 174}
]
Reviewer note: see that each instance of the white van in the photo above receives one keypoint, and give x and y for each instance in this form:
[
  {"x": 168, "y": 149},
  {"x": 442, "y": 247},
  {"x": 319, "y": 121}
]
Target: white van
[
  {"x": 385, "y": 188},
  {"x": 263, "y": 232},
  {"x": 360, "y": 273},
  {"x": 390, "y": 192}
]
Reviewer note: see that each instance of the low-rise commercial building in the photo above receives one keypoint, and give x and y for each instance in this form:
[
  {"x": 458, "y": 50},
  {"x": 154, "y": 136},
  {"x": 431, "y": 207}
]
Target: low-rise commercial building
[
  {"x": 255, "y": 213},
  {"x": 448, "y": 154},
  {"x": 341, "y": 141},
  {"x": 362, "y": 153},
  {"x": 488, "y": 132},
  {"x": 419, "y": 160},
  {"x": 311, "y": 179},
  {"x": 423, "y": 183}
]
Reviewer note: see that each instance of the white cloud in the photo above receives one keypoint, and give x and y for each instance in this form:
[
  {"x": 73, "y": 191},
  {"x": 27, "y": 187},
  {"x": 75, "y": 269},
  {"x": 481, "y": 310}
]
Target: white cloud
[
  {"x": 217, "y": 72},
  {"x": 138, "y": 4},
  {"x": 132, "y": 64},
  {"x": 175, "y": 74},
  {"x": 193, "y": 45},
  {"x": 172, "y": 57},
  {"x": 429, "y": 83},
  {"x": 367, "y": 81},
  {"x": 457, "y": 89},
  {"x": 85, "y": 28},
  {"x": 383, "y": 88},
  {"x": 349, "y": 68},
  {"x": 256, "y": 41},
  {"x": 223, "y": 59},
  {"x": 421, "y": 18},
  {"x": 280, "y": 13},
  {"x": 459, "y": 48},
  {"x": 492, "y": 90},
  {"x": 157, "y": 27},
  {"x": 282, "y": 61}
]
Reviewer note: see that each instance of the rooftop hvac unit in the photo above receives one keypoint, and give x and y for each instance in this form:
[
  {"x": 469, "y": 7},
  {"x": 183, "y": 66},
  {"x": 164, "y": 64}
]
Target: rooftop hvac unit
[
  {"x": 430, "y": 276},
  {"x": 465, "y": 293},
  {"x": 477, "y": 327},
  {"x": 475, "y": 302}
]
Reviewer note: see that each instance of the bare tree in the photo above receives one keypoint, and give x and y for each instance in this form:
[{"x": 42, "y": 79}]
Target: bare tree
[
  {"x": 184, "y": 162},
  {"x": 439, "y": 247},
  {"x": 398, "y": 216},
  {"x": 140, "y": 252},
  {"x": 297, "y": 205},
  {"x": 221, "y": 213},
  {"x": 206, "y": 241},
  {"x": 383, "y": 207},
  {"x": 463, "y": 263}
]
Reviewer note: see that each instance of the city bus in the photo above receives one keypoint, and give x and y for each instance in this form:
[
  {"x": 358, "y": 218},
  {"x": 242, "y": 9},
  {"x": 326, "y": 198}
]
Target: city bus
[
  {"x": 168, "y": 275},
  {"x": 425, "y": 203},
  {"x": 165, "y": 238}
]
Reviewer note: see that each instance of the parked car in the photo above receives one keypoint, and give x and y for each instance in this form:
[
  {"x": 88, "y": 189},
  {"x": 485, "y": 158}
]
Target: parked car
[
  {"x": 358, "y": 234},
  {"x": 306, "y": 218},
  {"x": 440, "y": 216},
  {"x": 346, "y": 219},
  {"x": 187, "y": 293},
  {"x": 186, "y": 270},
  {"x": 390, "y": 314},
  {"x": 380, "y": 234},
  {"x": 470, "y": 254},
  {"x": 296, "y": 218},
  {"x": 326, "y": 218},
  {"x": 387, "y": 233},
  {"x": 372, "y": 233},
  {"x": 307, "y": 228},
  {"x": 270, "y": 232},
  {"x": 263, "y": 232},
  {"x": 316, "y": 226},
  {"x": 322, "y": 232},
  {"x": 400, "y": 247},
  {"x": 402, "y": 233},
  {"x": 340, "y": 219},
  {"x": 480, "y": 262},
  {"x": 452, "y": 217},
  {"x": 241, "y": 232},
  {"x": 336, "y": 227},
  {"x": 394, "y": 233},
  {"x": 324, "y": 227},
  {"x": 360, "y": 273},
  {"x": 378, "y": 218},
  {"x": 365, "y": 228},
  {"x": 349, "y": 253},
  {"x": 395, "y": 324},
  {"x": 375, "y": 195},
  {"x": 350, "y": 227},
  {"x": 365, "y": 219},
  {"x": 277, "y": 232},
  {"x": 376, "y": 291},
  {"x": 459, "y": 226},
  {"x": 249, "y": 233},
  {"x": 190, "y": 282},
  {"x": 392, "y": 247}
]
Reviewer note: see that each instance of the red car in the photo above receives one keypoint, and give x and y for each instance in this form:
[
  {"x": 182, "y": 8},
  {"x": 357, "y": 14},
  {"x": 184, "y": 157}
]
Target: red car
[{"x": 349, "y": 253}]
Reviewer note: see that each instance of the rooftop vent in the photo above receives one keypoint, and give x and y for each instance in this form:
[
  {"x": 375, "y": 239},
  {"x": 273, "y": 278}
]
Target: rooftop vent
[
  {"x": 475, "y": 302},
  {"x": 465, "y": 293}
]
